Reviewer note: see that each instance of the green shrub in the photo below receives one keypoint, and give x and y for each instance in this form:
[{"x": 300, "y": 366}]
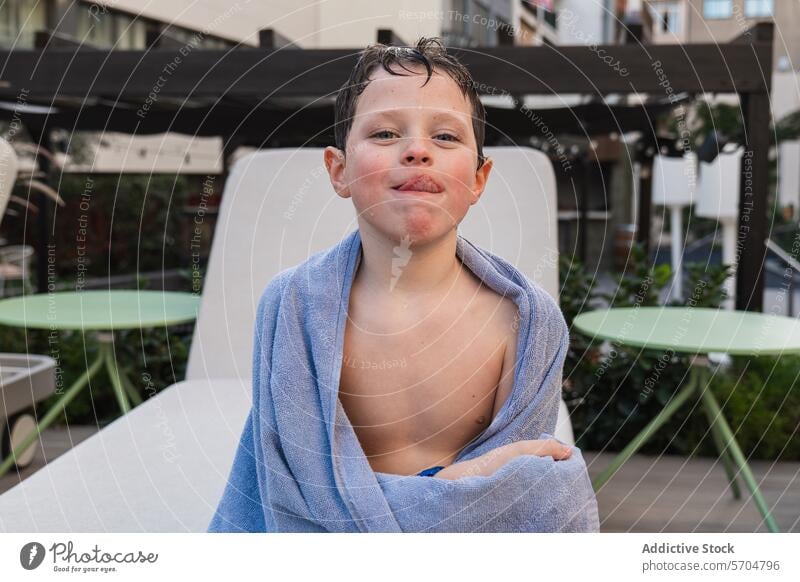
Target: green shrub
[
  {"x": 760, "y": 398},
  {"x": 112, "y": 225}
]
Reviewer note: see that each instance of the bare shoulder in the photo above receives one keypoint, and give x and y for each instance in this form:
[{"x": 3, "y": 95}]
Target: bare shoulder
[{"x": 500, "y": 310}]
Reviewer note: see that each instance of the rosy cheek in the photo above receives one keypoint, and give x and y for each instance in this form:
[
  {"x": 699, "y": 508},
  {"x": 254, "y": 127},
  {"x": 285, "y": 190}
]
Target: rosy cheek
[
  {"x": 461, "y": 176},
  {"x": 372, "y": 167}
]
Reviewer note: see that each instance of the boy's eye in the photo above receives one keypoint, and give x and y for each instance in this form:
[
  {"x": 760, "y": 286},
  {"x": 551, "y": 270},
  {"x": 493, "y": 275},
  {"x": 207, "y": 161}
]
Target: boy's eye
[
  {"x": 450, "y": 137},
  {"x": 384, "y": 134}
]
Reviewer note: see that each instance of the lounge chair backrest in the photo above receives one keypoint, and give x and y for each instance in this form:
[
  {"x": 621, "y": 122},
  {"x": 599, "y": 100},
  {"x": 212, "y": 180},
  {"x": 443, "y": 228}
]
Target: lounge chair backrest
[{"x": 278, "y": 208}]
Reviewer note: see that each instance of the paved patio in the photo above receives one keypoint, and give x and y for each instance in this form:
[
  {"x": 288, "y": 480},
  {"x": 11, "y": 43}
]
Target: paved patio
[
  {"x": 55, "y": 442},
  {"x": 648, "y": 494}
]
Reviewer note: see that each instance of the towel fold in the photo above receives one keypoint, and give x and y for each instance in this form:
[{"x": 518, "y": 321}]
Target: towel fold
[{"x": 299, "y": 466}]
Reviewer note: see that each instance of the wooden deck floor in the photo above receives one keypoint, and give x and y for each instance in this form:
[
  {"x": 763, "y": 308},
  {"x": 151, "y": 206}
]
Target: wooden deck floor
[
  {"x": 676, "y": 494},
  {"x": 648, "y": 494}
]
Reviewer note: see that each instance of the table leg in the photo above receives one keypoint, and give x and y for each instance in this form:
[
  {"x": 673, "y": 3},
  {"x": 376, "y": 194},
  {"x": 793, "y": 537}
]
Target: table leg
[
  {"x": 51, "y": 415},
  {"x": 727, "y": 462},
  {"x": 113, "y": 373},
  {"x": 738, "y": 458},
  {"x": 724, "y": 452},
  {"x": 640, "y": 439},
  {"x": 129, "y": 387}
]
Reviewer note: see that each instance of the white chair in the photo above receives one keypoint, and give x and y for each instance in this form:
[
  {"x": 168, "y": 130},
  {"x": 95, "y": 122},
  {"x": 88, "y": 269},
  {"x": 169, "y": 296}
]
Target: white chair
[
  {"x": 8, "y": 174},
  {"x": 15, "y": 265},
  {"x": 163, "y": 466},
  {"x": 15, "y": 261}
]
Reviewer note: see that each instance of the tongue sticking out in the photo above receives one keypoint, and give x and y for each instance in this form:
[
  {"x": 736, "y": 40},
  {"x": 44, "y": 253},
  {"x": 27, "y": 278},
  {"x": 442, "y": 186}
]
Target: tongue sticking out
[{"x": 420, "y": 184}]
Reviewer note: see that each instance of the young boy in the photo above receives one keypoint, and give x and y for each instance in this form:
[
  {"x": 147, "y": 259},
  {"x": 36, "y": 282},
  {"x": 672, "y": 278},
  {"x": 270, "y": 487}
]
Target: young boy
[
  {"x": 409, "y": 136},
  {"x": 380, "y": 364}
]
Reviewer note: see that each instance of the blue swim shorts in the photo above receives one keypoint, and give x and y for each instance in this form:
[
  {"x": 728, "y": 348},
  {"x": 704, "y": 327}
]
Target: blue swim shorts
[{"x": 430, "y": 472}]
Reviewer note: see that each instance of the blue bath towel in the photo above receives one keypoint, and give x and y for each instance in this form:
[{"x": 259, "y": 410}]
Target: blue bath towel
[{"x": 299, "y": 466}]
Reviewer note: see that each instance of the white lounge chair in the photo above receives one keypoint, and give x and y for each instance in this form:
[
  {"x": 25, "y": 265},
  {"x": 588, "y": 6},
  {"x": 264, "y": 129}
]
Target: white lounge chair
[{"x": 163, "y": 466}]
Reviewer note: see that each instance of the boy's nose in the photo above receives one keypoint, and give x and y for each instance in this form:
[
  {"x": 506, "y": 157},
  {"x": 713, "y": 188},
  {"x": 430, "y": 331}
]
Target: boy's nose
[{"x": 416, "y": 151}]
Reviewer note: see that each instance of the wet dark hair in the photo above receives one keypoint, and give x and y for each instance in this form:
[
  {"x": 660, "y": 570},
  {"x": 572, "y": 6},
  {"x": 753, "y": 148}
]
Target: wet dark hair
[{"x": 430, "y": 53}]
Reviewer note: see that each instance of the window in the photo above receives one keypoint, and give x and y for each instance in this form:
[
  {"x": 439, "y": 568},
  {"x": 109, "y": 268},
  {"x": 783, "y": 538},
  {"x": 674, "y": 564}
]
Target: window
[
  {"x": 717, "y": 8},
  {"x": 94, "y": 29},
  {"x": 757, "y": 8},
  {"x": 19, "y": 20},
  {"x": 481, "y": 20},
  {"x": 469, "y": 23},
  {"x": 669, "y": 18},
  {"x": 131, "y": 32},
  {"x": 455, "y": 30}
]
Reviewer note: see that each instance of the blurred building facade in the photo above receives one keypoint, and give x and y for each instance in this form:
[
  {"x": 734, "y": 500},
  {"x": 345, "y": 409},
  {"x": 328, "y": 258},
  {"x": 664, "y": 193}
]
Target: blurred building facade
[{"x": 719, "y": 21}]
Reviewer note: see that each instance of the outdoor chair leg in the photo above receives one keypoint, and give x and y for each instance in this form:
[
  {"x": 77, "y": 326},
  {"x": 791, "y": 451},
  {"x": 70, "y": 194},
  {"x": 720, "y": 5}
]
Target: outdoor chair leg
[
  {"x": 51, "y": 415},
  {"x": 736, "y": 454},
  {"x": 662, "y": 417}
]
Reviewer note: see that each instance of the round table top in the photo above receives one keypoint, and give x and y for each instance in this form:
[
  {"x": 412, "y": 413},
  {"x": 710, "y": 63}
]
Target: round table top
[
  {"x": 99, "y": 310},
  {"x": 694, "y": 330}
]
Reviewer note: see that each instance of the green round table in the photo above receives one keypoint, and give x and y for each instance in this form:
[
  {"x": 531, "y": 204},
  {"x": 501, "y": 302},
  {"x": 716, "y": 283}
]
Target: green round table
[
  {"x": 99, "y": 312},
  {"x": 697, "y": 331}
]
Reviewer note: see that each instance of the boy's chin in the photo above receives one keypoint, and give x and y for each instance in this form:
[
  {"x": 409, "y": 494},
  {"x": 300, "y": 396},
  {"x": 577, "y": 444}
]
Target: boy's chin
[{"x": 414, "y": 235}]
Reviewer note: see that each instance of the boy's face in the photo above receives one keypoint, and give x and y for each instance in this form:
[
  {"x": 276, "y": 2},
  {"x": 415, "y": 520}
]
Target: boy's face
[{"x": 411, "y": 157}]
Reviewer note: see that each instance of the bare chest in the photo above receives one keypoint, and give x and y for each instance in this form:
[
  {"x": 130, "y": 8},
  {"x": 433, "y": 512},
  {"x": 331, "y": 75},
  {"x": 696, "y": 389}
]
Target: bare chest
[{"x": 419, "y": 388}]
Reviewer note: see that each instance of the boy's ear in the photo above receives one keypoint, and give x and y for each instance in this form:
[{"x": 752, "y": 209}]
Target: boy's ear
[
  {"x": 335, "y": 163},
  {"x": 481, "y": 177}
]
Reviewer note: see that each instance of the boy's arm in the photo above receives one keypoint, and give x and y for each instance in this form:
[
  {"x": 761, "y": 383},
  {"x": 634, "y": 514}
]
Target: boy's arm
[{"x": 491, "y": 461}]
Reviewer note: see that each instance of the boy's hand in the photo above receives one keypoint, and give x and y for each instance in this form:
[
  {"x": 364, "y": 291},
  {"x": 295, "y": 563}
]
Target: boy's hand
[{"x": 542, "y": 448}]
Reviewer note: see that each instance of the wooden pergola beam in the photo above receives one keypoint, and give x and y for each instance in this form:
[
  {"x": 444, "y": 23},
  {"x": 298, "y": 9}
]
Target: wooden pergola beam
[
  {"x": 245, "y": 73},
  {"x": 751, "y": 251}
]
